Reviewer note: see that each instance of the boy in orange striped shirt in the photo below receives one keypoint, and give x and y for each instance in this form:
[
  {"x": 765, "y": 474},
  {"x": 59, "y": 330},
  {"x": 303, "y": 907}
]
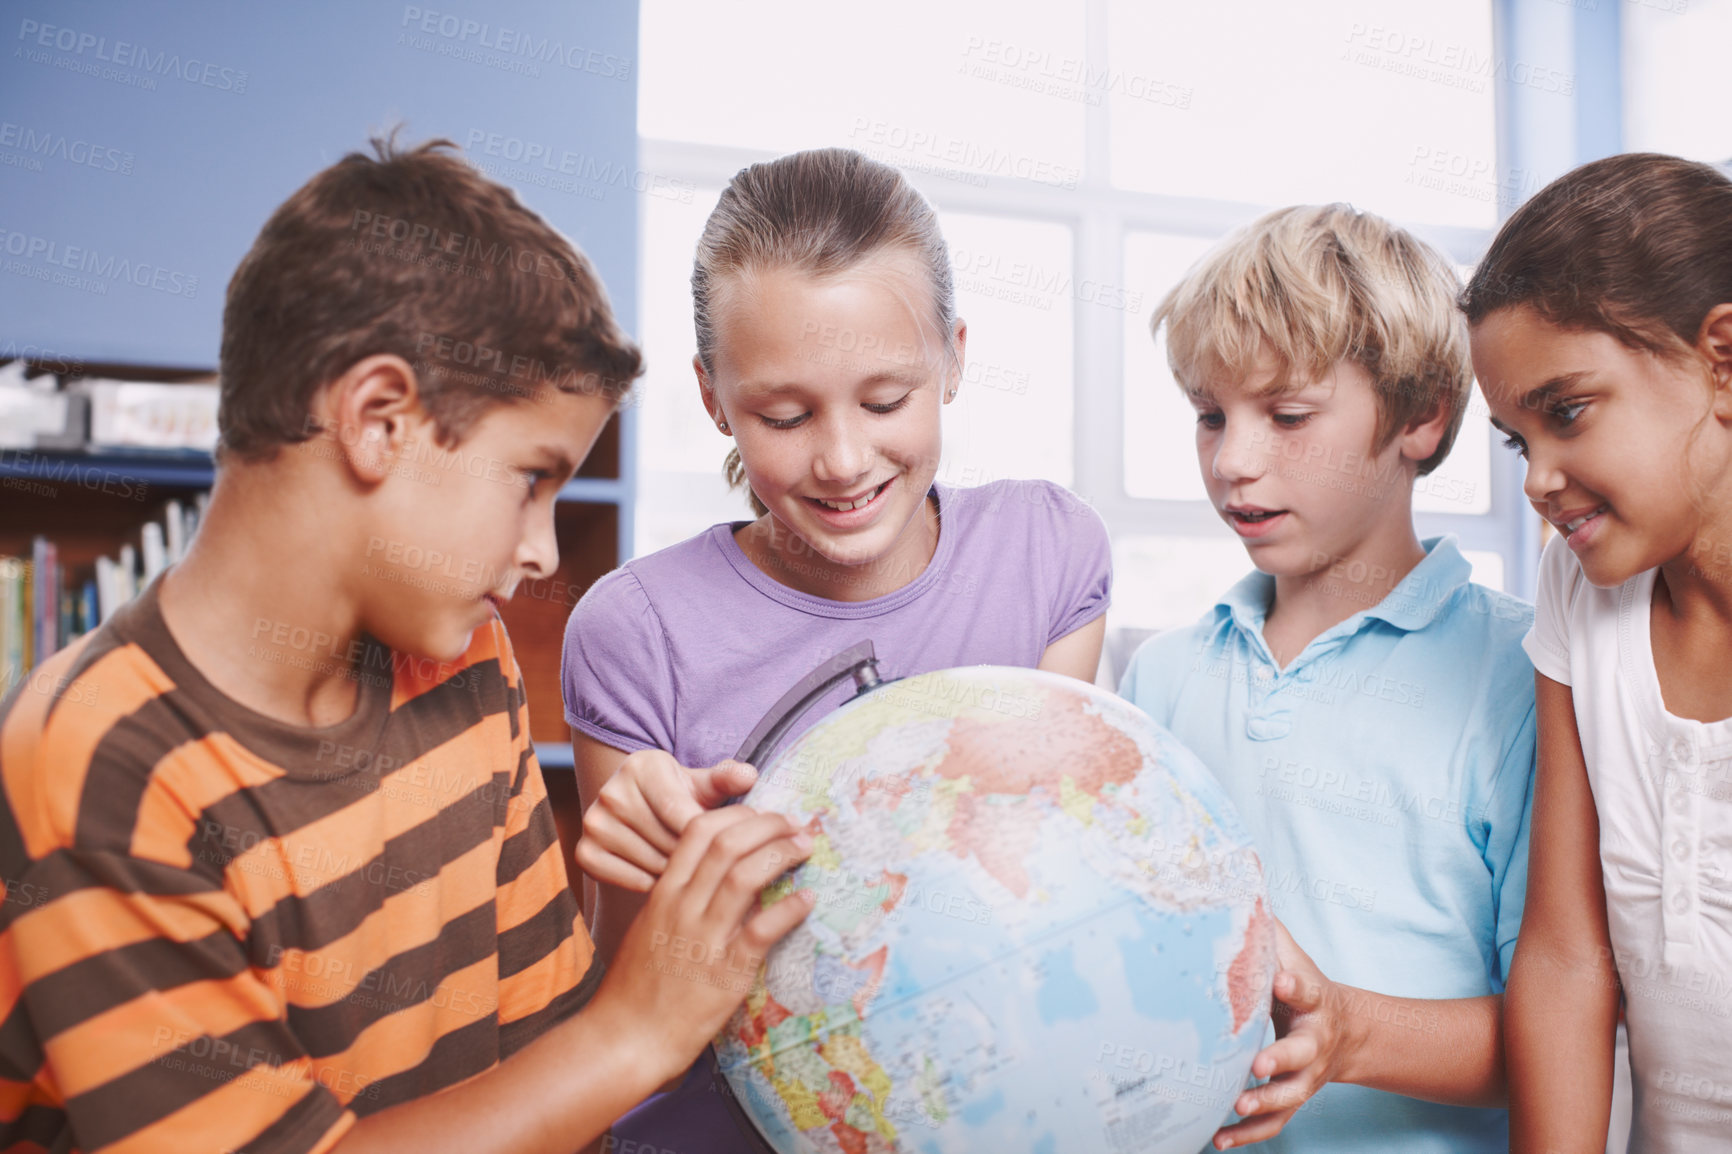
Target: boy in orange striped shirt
[{"x": 280, "y": 873}]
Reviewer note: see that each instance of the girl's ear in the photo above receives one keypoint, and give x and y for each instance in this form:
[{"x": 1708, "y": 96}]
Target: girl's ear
[
  {"x": 707, "y": 391},
  {"x": 1715, "y": 345},
  {"x": 959, "y": 344}
]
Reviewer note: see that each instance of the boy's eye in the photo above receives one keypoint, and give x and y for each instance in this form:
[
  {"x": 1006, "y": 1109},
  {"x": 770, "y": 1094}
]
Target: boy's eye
[
  {"x": 784, "y": 422},
  {"x": 891, "y": 407},
  {"x": 1210, "y": 420},
  {"x": 1566, "y": 412},
  {"x": 1291, "y": 420}
]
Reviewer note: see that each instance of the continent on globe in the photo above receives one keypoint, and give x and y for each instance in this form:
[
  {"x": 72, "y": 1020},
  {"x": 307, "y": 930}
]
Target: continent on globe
[{"x": 1020, "y": 880}]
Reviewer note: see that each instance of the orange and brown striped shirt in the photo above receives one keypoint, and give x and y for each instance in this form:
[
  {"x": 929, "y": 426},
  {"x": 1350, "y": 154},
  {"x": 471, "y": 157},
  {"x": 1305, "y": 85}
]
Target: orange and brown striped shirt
[{"x": 223, "y": 932}]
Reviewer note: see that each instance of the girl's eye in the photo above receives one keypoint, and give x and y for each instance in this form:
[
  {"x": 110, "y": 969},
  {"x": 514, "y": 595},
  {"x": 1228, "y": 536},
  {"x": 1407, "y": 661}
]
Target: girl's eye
[
  {"x": 892, "y": 406},
  {"x": 1210, "y": 420},
  {"x": 534, "y": 478},
  {"x": 1566, "y": 412},
  {"x": 1511, "y": 441},
  {"x": 1291, "y": 420},
  {"x": 785, "y": 422}
]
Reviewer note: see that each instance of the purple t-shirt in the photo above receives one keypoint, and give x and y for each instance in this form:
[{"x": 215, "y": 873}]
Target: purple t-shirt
[{"x": 687, "y": 649}]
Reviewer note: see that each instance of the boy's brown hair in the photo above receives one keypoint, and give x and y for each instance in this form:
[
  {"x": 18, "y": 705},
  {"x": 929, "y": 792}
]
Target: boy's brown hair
[
  {"x": 1309, "y": 286},
  {"x": 416, "y": 254}
]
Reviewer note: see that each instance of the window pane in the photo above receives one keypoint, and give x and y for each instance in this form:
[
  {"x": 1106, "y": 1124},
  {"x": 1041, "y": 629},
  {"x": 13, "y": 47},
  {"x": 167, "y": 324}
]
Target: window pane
[
  {"x": 1674, "y": 78},
  {"x": 1160, "y": 425},
  {"x": 680, "y": 487},
  {"x": 962, "y": 88},
  {"x": 1388, "y": 105},
  {"x": 676, "y": 433},
  {"x": 1487, "y": 567},
  {"x": 1013, "y": 416},
  {"x": 1166, "y": 582},
  {"x": 1462, "y": 484}
]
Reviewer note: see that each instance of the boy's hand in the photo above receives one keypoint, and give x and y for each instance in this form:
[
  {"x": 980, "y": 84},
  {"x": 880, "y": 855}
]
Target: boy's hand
[
  {"x": 630, "y": 830},
  {"x": 692, "y": 954},
  {"x": 1313, "y": 1042}
]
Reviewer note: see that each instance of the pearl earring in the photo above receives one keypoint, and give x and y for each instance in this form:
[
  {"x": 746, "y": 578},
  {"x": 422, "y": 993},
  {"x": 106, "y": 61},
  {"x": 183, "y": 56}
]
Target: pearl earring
[{"x": 723, "y": 426}]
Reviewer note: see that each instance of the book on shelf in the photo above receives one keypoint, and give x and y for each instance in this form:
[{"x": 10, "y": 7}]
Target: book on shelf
[{"x": 44, "y": 606}]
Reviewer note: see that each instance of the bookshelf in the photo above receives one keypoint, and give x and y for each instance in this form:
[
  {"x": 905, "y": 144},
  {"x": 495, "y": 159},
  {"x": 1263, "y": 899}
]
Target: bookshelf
[{"x": 91, "y": 503}]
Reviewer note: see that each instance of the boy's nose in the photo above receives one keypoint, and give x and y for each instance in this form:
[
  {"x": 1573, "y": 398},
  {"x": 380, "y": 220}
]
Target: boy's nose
[
  {"x": 538, "y": 551},
  {"x": 1242, "y": 454}
]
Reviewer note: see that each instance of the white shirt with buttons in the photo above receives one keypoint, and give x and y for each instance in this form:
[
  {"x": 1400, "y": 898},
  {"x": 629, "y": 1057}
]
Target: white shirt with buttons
[{"x": 1663, "y": 788}]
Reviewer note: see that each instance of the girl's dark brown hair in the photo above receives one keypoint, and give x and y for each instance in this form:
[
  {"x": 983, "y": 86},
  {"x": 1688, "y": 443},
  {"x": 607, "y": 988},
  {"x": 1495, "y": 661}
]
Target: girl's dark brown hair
[
  {"x": 819, "y": 212},
  {"x": 1638, "y": 246},
  {"x": 415, "y": 253}
]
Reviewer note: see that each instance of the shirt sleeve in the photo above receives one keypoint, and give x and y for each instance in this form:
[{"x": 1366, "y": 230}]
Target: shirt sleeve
[
  {"x": 1548, "y": 642},
  {"x": 616, "y": 672},
  {"x": 156, "y": 1031},
  {"x": 1508, "y": 816},
  {"x": 1084, "y": 561}
]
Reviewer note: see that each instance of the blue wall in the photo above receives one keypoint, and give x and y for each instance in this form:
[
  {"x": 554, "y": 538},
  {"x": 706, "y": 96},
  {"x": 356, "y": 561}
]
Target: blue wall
[{"x": 142, "y": 145}]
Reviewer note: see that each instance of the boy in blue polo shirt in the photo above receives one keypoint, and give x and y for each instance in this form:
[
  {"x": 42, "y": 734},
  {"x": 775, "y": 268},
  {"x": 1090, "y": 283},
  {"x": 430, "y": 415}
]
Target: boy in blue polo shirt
[{"x": 1368, "y": 708}]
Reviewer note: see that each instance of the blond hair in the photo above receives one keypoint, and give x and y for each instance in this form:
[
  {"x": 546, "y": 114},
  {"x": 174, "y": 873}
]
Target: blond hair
[
  {"x": 1307, "y": 287},
  {"x": 819, "y": 212}
]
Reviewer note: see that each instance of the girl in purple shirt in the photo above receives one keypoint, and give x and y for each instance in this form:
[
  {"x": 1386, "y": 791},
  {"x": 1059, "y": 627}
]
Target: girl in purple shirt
[{"x": 827, "y": 342}]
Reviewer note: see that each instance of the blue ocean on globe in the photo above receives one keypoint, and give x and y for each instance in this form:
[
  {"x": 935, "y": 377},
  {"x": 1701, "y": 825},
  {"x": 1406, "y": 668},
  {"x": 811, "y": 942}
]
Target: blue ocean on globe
[{"x": 1040, "y": 927}]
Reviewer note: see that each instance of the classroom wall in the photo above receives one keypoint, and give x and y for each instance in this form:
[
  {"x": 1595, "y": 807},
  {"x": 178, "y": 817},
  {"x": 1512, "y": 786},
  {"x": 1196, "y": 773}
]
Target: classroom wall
[{"x": 142, "y": 145}]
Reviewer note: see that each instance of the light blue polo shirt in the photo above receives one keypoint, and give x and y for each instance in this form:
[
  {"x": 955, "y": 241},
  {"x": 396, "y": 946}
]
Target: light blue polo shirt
[{"x": 1386, "y": 777}]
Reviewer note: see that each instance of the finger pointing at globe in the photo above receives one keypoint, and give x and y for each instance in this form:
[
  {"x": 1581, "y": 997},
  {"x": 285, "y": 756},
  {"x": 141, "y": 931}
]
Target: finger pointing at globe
[{"x": 636, "y": 820}]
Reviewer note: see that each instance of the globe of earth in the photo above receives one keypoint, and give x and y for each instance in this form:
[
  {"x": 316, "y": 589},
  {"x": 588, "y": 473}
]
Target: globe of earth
[{"x": 1039, "y": 927}]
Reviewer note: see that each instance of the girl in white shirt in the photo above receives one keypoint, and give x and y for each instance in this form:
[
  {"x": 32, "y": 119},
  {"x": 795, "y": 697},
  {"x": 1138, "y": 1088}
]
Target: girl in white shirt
[{"x": 1602, "y": 338}]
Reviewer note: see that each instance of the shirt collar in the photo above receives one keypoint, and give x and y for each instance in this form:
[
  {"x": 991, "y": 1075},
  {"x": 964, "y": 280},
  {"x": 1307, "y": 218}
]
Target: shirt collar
[{"x": 1413, "y": 604}]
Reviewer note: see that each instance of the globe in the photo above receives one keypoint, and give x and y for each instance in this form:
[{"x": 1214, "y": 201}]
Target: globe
[{"x": 1040, "y": 927}]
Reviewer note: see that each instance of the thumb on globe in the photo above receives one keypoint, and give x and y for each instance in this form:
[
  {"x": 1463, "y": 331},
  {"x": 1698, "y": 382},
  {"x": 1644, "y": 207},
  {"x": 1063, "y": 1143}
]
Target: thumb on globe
[{"x": 722, "y": 781}]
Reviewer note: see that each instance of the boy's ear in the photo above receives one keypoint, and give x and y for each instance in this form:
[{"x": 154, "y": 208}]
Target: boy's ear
[
  {"x": 1422, "y": 435},
  {"x": 373, "y": 412}
]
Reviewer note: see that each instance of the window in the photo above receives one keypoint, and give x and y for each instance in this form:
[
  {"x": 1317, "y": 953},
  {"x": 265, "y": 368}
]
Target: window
[
  {"x": 1082, "y": 156},
  {"x": 1671, "y": 48}
]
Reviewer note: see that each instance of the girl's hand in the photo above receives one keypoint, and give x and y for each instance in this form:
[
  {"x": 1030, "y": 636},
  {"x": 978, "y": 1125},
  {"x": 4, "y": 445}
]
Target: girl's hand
[
  {"x": 1313, "y": 1043},
  {"x": 632, "y": 827},
  {"x": 693, "y": 953}
]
